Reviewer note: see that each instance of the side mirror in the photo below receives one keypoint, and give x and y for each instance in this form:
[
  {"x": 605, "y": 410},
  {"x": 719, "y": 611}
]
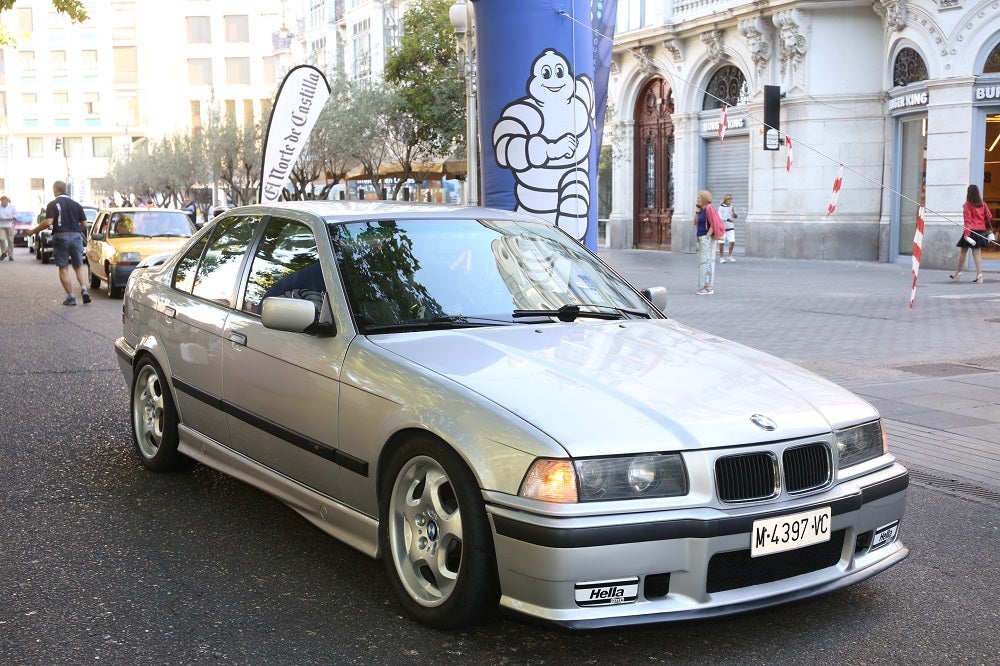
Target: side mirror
[
  {"x": 97, "y": 236},
  {"x": 657, "y": 296},
  {"x": 287, "y": 314}
]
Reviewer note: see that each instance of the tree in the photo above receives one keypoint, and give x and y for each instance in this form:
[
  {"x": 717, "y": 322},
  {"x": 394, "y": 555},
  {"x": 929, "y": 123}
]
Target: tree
[
  {"x": 71, "y": 8},
  {"x": 429, "y": 121}
]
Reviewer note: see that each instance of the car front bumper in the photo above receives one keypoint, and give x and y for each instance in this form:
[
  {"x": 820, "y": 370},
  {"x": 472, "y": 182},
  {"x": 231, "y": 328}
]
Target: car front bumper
[{"x": 689, "y": 564}]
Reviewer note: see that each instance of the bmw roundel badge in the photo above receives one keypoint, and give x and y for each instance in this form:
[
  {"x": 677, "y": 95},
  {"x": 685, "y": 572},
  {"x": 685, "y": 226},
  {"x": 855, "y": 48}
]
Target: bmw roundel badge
[{"x": 763, "y": 422}]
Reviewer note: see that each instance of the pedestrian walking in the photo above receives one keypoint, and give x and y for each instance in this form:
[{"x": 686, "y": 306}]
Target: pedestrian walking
[
  {"x": 977, "y": 232},
  {"x": 190, "y": 209},
  {"x": 728, "y": 215},
  {"x": 69, "y": 223},
  {"x": 7, "y": 216},
  {"x": 709, "y": 226}
]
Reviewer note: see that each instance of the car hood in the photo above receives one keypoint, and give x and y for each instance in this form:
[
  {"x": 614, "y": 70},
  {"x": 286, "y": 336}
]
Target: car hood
[
  {"x": 645, "y": 385},
  {"x": 146, "y": 246}
]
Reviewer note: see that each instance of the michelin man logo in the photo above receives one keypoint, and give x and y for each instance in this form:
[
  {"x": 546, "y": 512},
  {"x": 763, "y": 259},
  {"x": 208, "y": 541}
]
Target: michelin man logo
[{"x": 544, "y": 138}]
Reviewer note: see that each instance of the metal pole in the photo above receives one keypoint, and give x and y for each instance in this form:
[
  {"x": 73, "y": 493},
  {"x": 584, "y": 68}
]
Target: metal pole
[{"x": 472, "y": 127}]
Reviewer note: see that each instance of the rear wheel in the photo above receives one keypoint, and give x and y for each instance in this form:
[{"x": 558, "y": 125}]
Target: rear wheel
[
  {"x": 436, "y": 543},
  {"x": 114, "y": 290},
  {"x": 46, "y": 256},
  {"x": 154, "y": 420}
]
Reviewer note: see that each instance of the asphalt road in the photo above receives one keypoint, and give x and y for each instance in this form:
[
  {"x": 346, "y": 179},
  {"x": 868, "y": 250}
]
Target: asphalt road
[{"x": 103, "y": 562}]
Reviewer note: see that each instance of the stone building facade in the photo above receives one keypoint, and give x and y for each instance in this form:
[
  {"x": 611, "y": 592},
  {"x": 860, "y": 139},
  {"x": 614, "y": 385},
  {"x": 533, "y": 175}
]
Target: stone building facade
[{"x": 901, "y": 98}]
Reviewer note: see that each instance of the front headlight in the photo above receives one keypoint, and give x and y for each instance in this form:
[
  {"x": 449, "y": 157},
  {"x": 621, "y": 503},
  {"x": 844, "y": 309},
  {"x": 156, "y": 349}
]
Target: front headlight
[
  {"x": 127, "y": 258},
  {"x": 605, "y": 479},
  {"x": 860, "y": 443}
]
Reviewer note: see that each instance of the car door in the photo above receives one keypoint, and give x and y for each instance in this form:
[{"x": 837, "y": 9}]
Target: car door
[
  {"x": 191, "y": 324},
  {"x": 282, "y": 388},
  {"x": 94, "y": 253}
]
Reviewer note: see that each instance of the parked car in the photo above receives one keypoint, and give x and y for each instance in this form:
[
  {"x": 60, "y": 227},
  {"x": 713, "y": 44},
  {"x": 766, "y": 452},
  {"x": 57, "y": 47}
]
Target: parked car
[
  {"x": 478, "y": 400},
  {"x": 40, "y": 244},
  {"x": 121, "y": 237},
  {"x": 23, "y": 221}
]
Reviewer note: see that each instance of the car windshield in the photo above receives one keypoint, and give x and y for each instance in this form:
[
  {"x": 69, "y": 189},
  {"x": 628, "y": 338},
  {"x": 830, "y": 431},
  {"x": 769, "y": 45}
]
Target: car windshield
[
  {"x": 413, "y": 274},
  {"x": 151, "y": 223}
]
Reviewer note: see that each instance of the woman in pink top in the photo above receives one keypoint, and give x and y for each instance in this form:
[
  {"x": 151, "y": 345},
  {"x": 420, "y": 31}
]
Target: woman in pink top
[{"x": 977, "y": 233}]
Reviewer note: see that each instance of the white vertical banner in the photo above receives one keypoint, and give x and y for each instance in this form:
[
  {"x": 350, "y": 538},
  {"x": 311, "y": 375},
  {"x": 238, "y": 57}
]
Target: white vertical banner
[{"x": 301, "y": 97}]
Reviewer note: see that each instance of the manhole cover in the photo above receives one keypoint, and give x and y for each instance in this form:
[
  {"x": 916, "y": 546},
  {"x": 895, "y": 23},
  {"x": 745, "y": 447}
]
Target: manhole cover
[{"x": 942, "y": 369}]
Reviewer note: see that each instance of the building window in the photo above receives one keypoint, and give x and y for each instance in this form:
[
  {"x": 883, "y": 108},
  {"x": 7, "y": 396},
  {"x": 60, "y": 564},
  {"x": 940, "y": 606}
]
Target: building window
[
  {"x": 993, "y": 61},
  {"x": 123, "y": 21},
  {"x": 908, "y": 68},
  {"x": 248, "y": 112},
  {"x": 231, "y": 109},
  {"x": 27, "y": 59},
  {"x": 36, "y": 147},
  {"x": 60, "y": 104},
  {"x": 237, "y": 29},
  {"x": 195, "y": 114},
  {"x": 88, "y": 59},
  {"x": 58, "y": 60},
  {"x": 199, "y": 30},
  {"x": 267, "y": 66},
  {"x": 101, "y": 146},
  {"x": 727, "y": 87},
  {"x": 91, "y": 103},
  {"x": 24, "y": 20},
  {"x": 238, "y": 71},
  {"x": 126, "y": 67},
  {"x": 29, "y": 104},
  {"x": 200, "y": 71},
  {"x": 361, "y": 42},
  {"x": 73, "y": 146},
  {"x": 631, "y": 14}
]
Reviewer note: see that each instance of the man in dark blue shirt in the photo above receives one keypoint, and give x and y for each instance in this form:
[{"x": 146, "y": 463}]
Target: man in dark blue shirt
[{"x": 69, "y": 224}]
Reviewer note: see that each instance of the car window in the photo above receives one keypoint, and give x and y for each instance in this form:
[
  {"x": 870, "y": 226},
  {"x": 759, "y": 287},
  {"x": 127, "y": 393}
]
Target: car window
[
  {"x": 162, "y": 223},
  {"x": 286, "y": 264},
  {"x": 215, "y": 277}
]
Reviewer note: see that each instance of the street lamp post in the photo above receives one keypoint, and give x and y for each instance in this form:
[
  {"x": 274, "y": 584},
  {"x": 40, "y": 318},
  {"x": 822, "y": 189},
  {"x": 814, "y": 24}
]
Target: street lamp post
[{"x": 464, "y": 22}]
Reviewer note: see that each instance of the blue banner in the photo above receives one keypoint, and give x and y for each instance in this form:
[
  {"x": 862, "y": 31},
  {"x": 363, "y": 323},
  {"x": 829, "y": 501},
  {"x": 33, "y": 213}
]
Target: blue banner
[{"x": 542, "y": 87}]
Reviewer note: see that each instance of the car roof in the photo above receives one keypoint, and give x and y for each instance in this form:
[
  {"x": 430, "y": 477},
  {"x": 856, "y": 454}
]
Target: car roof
[
  {"x": 142, "y": 209},
  {"x": 340, "y": 211}
]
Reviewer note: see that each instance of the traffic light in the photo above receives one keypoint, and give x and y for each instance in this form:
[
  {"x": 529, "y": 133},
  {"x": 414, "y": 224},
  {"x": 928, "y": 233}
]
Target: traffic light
[
  {"x": 58, "y": 144},
  {"x": 772, "y": 117}
]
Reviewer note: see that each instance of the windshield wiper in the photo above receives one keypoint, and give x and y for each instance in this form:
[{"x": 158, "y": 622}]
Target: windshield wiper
[
  {"x": 439, "y": 323},
  {"x": 571, "y": 311}
]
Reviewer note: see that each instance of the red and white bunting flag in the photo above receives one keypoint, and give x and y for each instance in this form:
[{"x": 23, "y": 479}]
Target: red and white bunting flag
[
  {"x": 723, "y": 121},
  {"x": 788, "y": 161},
  {"x": 918, "y": 243},
  {"x": 836, "y": 191}
]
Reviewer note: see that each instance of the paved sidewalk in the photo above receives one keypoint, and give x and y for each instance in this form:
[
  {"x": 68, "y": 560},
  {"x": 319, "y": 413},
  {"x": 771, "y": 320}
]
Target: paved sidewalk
[{"x": 932, "y": 373}]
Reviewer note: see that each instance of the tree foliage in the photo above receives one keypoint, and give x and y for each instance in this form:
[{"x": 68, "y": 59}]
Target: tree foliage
[{"x": 429, "y": 120}]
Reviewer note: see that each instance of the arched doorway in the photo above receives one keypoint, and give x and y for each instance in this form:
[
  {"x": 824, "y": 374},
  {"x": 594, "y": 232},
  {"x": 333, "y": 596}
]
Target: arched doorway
[{"x": 654, "y": 151}]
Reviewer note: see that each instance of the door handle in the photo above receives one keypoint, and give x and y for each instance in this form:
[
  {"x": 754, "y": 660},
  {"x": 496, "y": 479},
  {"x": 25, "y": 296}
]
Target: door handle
[{"x": 238, "y": 338}]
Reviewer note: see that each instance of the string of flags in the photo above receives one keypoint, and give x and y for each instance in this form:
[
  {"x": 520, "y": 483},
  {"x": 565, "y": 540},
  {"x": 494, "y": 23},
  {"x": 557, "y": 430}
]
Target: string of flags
[
  {"x": 836, "y": 191},
  {"x": 788, "y": 161},
  {"x": 723, "y": 121},
  {"x": 918, "y": 243}
]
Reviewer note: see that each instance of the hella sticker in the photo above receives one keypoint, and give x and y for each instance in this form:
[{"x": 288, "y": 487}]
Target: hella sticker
[
  {"x": 607, "y": 592},
  {"x": 884, "y": 535}
]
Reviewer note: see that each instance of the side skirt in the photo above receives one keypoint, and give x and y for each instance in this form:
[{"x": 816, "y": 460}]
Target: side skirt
[{"x": 339, "y": 521}]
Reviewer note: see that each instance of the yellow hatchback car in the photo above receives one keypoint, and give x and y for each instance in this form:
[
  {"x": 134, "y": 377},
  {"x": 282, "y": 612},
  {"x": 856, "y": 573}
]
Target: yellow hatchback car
[{"x": 122, "y": 237}]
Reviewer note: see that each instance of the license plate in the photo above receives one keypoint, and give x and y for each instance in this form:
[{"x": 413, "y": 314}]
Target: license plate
[{"x": 775, "y": 535}]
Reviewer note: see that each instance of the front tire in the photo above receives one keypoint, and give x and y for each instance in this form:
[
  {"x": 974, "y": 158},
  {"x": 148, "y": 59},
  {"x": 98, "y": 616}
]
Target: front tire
[
  {"x": 154, "y": 420},
  {"x": 436, "y": 542},
  {"x": 95, "y": 282}
]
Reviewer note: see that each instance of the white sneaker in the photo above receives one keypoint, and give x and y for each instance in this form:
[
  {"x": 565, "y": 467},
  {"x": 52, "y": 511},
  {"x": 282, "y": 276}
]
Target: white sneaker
[{"x": 730, "y": 260}]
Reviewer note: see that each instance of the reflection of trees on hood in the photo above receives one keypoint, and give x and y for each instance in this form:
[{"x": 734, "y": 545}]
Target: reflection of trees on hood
[{"x": 378, "y": 265}]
